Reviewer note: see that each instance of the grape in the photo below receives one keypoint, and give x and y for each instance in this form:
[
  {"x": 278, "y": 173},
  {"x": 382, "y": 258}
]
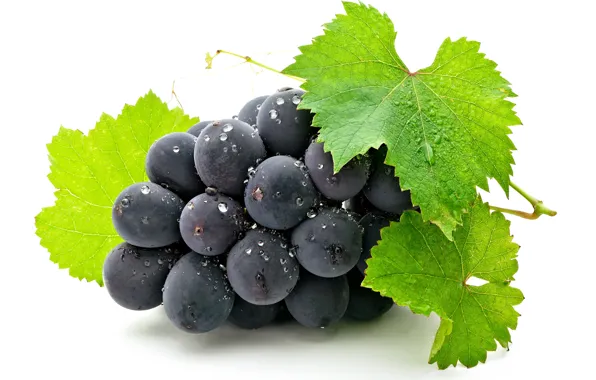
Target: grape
[
  {"x": 372, "y": 224},
  {"x": 261, "y": 269},
  {"x": 197, "y": 297},
  {"x": 345, "y": 184},
  {"x": 146, "y": 215},
  {"x": 249, "y": 111},
  {"x": 328, "y": 245},
  {"x": 223, "y": 153},
  {"x": 134, "y": 276},
  {"x": 196, "y": 129},
  {"x": 318, "y": 301},
  {"x": 249, "y": 316},
  {"x": 211, "y": 224},
  {"x": 284, "y": 129},
  {"x": 279, "y": 193},
  {"x": 170, "y": 163},
  {"x": 383, "y": 190},
  {"x": 365, "y": 304}
]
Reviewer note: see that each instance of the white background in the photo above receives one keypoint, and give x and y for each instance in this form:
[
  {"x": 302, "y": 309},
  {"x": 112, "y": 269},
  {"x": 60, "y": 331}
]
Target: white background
[{"x": 64, "y": 63}]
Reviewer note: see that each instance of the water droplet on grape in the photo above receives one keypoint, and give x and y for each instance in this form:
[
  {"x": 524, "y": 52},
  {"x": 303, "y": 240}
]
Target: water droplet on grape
[
  {"x": 207, "y": 138},
  {"x": 299, "y": 201},
  {"x": 279, "y": 101},
  {"x": 145, "y": 220},
  {"x": 145, "y": 189},
  {"x": 273, "y": 114},
  {"x": 248, "y": 251},
  {"x": 278, "y": 121},
  {"x": 234, "y": 148},
  {"x": 223, "y": 136},
  {"x": 320, "y": 166},
  {"x": 210, "y": 191},
  {"x": 125, "y": 202},
  {"x": 228, "y": 127},
  {"x": 296, "y": 99},
  {"x": 323, "y": 226},
  {"x": 222, "y": 207},
  {"x": 283, "y": 261},
  {"x": 311, "y": 213},
  {"x": 260, "y": 243},
  {"x": 258, "y": 106},
  {"x": 147, "y": 263},
  {"x": 176, "y": 149}
]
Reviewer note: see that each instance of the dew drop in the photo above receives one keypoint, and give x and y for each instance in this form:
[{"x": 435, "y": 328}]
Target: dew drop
[
  {"x": 176, "y": 149},
  {"x": 234, "y": 148},
  {"x": 125, "y": 202},
  {"x": 265, "y": 257},
  {"x": 299, "y": 201},
  {"x": 296, "y": 99},
  {"x": 260, "y": 243},
  {"x": 223, "y": 136},
  {"x": 144, "y": 220},
  {"x": 283, "y": 261},
  {"x": 286, "y": 270},
  {"x": 279, "y": 101},
  {"x": 297, "y": 163},
  {"x": 225, "y": 149},
  {"x": 278, "y": 121},
  {"x": 273, "y": 114},
  {"x": 207, "y": 138},
  {"x": 228, "y": 127},
  {"x": 304, "y": 183},
  {"x": 145, "y": 189},
  {"x": 248, "y": 251},
  {"x": 311, "y": 213},
  {"x": 320, "y": 166},
  {"x": 323, "y": 226},
  {"x": 222, "y": 207},
  {"x": 209, "y": 249},
  {"x": 427, "y": 149},
  {"x": 283, "y": 244},
  {"x": 204, "y": 263},
  {"x": 258, "y": 106},
  {"x": 147, "y": 263}
]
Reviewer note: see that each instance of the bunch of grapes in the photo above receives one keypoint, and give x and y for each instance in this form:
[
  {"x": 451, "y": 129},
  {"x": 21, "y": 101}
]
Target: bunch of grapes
[{"x": 244, "y": 220}]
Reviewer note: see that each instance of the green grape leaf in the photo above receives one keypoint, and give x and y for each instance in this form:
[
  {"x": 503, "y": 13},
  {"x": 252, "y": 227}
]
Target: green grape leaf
[
  {"x": 446, "y": 126},
  {"x": 417, "y": 266},
  {"x": 89, "y": 171}
]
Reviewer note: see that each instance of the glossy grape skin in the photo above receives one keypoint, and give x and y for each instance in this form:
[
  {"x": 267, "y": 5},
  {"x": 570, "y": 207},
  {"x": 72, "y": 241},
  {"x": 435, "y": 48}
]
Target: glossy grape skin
[
  {"x": 211, "y": 224},
  {"x": 223, "y": 153},
  {"x": 317, "y": 301},
  {"x": 284, "y": 129},
  {"x": 134, "y": 276},
  {"x": 196, "y": 129},
  {"x": 340, "y": 186},
  {"x": 365, "y": 304},
  {"x": 250, "y": 110},
  {"x": 146, "y": 215},
  {"x": 250, "y": 316},
  {"x": 261, "y": 269},
  {"x": 197, "y": 297},
  {"x": 170, "y": 163},
  {"x": 328, "y": 245},
  {"x": 280, "y": 193},
  {"x": 372, "y": 223},
  {"x": 384, "y": 192}
]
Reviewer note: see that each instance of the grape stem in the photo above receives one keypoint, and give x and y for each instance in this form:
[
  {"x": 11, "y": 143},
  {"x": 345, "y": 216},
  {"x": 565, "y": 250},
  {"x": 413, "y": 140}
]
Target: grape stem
[
  {"x": 209, "y": 59},
  {"x": 538, "y": 205}
]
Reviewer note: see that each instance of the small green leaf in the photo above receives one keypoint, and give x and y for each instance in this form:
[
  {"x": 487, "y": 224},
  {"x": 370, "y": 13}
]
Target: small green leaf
[
  {"x": 446, "y": 126},
  {"x": 417, "y": 266},
  {"x": 89, "y": 172}
]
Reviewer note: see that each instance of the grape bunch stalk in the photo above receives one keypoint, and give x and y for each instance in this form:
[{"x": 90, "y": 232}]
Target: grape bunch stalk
[{"x": 244, "y": 220}]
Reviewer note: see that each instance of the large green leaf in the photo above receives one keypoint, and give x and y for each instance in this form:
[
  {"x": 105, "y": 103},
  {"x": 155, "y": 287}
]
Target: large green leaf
[
  {"x": 417, "y": 266},
  {"x": 89, "y": 172},
  {"x": 446, "y": 126}
]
